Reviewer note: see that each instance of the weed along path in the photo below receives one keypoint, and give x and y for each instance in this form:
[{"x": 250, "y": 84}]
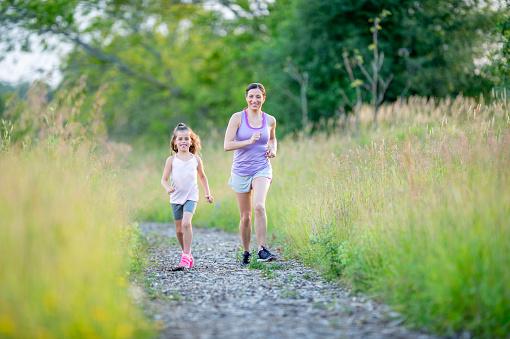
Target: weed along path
[{"x": 218, "y": 298}]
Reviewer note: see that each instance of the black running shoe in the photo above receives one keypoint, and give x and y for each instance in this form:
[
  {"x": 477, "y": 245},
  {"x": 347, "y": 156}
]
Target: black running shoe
[
  {"x": 265, "y": 255},
  {"x": 246, "y": 258}
]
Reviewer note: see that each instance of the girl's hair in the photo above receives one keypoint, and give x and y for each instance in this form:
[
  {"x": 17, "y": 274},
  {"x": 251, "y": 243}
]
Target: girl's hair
[
  {"x": 256, "y": 85},
  {"x": 195, "y": 139}
]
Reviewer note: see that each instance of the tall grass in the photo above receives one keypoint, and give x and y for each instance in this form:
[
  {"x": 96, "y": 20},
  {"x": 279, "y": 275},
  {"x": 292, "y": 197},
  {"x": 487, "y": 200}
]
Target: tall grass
[
  {"x": 63, "y": 266},
  {"x": 415, "y": 213},
  {"x": 67, "y": 247},
  {"x": 423, "y": 222}
]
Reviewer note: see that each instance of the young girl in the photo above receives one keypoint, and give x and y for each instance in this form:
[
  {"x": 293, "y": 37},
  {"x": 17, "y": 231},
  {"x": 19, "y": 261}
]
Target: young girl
[{"x": 182, "y": 168}]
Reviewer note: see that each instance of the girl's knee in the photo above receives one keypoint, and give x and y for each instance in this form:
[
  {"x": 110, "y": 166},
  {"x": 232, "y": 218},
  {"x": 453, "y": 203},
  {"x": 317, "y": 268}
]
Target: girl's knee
[{"x": 186, "y": 224}]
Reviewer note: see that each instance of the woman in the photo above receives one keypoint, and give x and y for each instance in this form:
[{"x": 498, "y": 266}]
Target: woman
[{"x": 251, "y": 135}]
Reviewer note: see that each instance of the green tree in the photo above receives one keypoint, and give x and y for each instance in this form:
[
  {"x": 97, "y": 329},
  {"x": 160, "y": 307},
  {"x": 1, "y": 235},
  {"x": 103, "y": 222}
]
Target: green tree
[
  {"x": 443, "y": 39},
  {"x": 167, "y": 61},
  {"x": 164, "y": 61},
  {"x": 498, "y": 68}
]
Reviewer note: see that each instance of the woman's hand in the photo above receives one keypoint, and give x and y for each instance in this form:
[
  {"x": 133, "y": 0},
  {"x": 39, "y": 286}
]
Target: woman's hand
[
  {"x": 209, "y": 198},
  {"x": 255, "y": 136},
  {"x": 270, "y": 153},
  {"x": 170, "y": 190}
]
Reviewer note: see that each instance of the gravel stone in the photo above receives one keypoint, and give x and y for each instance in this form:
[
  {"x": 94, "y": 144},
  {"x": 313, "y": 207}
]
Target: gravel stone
[{"x": 218, "y": 298}]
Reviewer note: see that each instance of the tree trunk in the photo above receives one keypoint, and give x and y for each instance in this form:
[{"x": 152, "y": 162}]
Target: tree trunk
[{"x": 304, "y": 103}]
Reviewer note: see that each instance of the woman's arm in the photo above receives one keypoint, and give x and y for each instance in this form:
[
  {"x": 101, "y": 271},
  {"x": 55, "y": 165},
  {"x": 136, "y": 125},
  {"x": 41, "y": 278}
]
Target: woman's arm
[
  {"x": 271, "y": 143},
  {"x": 233, "y": 125},
  {"x": 166, "y": 174},
  {"x": 203, "y": 180}
]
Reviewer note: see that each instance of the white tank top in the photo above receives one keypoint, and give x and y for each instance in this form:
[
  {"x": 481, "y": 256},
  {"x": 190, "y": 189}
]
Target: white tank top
[{"x": 184, "y": 179}]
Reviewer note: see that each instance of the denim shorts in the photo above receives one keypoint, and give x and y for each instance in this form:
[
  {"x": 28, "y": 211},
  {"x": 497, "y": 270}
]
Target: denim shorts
[
  {"x": 178, "y": 210},
  {"x": 242, "y": 184}
]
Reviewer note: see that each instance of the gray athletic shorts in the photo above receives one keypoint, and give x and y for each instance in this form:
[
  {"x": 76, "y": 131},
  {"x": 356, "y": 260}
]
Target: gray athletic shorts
[
  {"x": 178, "y": 210},
  {"x": 242, "y": 184}
]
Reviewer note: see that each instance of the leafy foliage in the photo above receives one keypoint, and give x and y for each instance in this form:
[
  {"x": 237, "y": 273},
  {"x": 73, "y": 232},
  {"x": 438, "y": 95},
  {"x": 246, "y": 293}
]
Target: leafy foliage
[
  {"x": 498, "y": 69},
  {"x": 172, "y": 61},
  {"x": 442, "y": 40}
]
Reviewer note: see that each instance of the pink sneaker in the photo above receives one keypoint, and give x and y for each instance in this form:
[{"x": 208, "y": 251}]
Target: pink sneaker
[
  {"x": 186, "y": 260},
  {"x": 182, "y": 252}
]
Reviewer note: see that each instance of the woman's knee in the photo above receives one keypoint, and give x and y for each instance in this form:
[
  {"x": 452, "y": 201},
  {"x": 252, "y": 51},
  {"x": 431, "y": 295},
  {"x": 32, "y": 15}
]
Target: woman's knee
[
  {"x": 246, "y": 218},
  {"x": 260, "y": 209}
]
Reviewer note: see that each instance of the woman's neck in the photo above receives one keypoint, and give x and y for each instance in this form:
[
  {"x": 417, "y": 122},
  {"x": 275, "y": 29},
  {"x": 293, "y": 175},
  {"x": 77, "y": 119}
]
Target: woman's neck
[{"x": 254, "y": 112}]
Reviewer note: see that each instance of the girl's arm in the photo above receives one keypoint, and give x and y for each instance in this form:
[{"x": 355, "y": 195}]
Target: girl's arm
[
  {"x": 271, "y": 143},
  {"x": 203, "y": 180},
  {"x": 233, "y": 125},
  {"x": 166, "y": 174}
]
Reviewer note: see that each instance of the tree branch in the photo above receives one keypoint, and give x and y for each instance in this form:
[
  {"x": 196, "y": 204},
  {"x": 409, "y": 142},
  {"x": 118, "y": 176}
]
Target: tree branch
[
  {"x": 100, "y": 55},
  {"x": 381, "y": 59},
  {"x": 383, "y": 88},
  {"x": 369, "y": 78},
  {"x": 348, "y": 67}
]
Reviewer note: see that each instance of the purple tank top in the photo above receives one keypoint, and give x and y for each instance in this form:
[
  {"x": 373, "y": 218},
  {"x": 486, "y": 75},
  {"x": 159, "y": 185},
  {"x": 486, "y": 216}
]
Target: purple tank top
[{"x": 251, "y": 159}]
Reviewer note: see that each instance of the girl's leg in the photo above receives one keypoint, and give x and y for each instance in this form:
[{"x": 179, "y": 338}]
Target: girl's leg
[
  {"x": 244, "y": 202},
  {"x": 260, "y": 187},
  {"x": 179, "y": 232},
  {"x": 187, "y": 231}
]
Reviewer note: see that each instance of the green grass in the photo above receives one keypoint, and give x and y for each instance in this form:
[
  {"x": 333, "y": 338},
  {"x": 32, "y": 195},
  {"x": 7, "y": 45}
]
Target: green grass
[
  {"x": 421, "y": 223},
  {"x": 66, "y": 247},
  {"x": 415, "y": 213}
]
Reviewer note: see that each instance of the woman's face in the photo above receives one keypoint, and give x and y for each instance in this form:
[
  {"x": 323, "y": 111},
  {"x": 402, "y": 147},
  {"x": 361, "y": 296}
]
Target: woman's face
[{"x": 255, "y": 99}]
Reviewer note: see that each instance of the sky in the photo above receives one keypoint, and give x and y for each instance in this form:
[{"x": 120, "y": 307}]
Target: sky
[
  {"x": 18, "y": 66},
  {"x": 21, "y": 67}
]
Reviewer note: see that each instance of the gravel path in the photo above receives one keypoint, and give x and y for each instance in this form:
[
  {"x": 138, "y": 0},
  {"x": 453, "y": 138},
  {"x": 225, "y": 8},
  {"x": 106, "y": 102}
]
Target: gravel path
[{"x": 218, "y": 298}]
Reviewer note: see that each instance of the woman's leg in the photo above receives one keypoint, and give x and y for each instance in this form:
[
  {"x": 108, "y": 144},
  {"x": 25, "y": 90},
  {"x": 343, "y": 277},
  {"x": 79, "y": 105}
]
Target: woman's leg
[
  {"x": 244, "y": 202},
  {"x": 187, "y": 231},
  {"x": 260, "y": 187},
  {"x": 179, "y": 232}
]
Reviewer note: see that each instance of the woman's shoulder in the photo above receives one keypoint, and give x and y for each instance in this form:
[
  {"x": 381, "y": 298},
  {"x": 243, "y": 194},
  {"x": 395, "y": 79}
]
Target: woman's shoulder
[
  {"x": 237, "y": 115},
  {"x": 270, "y": 119},
  {"x": 236, "y": 119},
  {"x": 170, "y": 159}
]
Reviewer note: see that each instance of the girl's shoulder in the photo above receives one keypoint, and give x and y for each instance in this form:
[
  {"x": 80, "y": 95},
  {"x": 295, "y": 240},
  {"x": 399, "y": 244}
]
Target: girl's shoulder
[
  {"x": 170, "y": 159},
  {"x": 197, "y": 158}
]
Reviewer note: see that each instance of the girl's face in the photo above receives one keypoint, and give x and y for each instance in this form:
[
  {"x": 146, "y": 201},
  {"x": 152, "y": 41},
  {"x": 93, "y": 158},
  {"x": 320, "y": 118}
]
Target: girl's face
[
  {"x": 183, "y": 141},
  {"x": 255, "y": 99}
]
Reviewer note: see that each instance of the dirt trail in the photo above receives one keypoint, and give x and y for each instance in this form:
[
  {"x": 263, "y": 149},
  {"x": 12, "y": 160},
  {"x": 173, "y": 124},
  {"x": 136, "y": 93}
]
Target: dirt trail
[{"x": 218, "y": 298}]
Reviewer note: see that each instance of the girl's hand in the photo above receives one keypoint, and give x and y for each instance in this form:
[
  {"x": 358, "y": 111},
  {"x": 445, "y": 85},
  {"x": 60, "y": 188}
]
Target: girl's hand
[
  {"x": 209, "y": 198},
  {"x": 255, "y": 137},
  {"x": 270, "y": 153},
  {"x": 170, "y": 190}
]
